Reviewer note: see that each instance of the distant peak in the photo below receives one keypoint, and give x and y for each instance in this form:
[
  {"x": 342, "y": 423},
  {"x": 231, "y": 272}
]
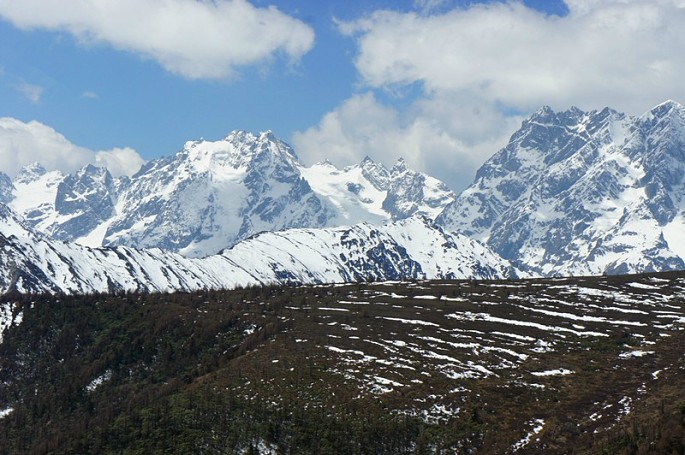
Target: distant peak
[
  {"x": 543, "y": 115},
  {"x": 325, "y": 162},
  {"x": 668, "y": 111},
  {"x": 35, "y": 168},
  {"x": 544, "y": 110},
  {"x": 31, "y": 171},
  {"x": 400, "y": 165},
  {"x": 240, "y": 135},
  {"x": 667, "y": 106},
  {"x": 268, "y": 134},
  {"x": 248, "y": 137},
  {"x": 608, "y": 111},
  {"x": 369, "y": 164}
]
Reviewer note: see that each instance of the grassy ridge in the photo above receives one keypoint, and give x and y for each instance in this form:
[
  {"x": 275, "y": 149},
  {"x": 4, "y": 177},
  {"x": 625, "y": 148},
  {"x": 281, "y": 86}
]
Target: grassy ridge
[{"x": 585, "y": 365}]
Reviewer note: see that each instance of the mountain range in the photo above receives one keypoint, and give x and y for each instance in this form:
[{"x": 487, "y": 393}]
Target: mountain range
[
  {"x": 211, "y": 195},
  {"x": 573, "y": 193}
]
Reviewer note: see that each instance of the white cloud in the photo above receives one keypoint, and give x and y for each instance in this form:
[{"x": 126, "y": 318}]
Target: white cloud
[
  {"x": 445, "y": 138},
  {"x": 32, "y": 92},
  {"x": 119, "y": 161},
  {"x": 25, "y": 143},
  {"x": 623, "y": 53},
  {"x": 90, "y": 95},
  {"x": 193, "y": 38}
]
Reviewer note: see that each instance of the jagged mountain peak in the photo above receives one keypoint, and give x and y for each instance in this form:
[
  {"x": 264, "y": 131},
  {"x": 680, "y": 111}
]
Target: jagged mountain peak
[
  {"x": 31, "y": 172},
  {"x": 326, "y": 163},
  {"x": 659, "y": 136},
  {"x": 376, "y": 173},
  {"x": 667, "y": 115},
  {"x": 6, "y": 188},
  {"x": 237, "y": 150},
  {"x": 93, "y": 171},
  {"x": 546, "y": 116},
  {"x": 667, "y": 107},
  {"x": 399, "y": 167},
  {"x": 212, "y": 194},
  {"x": 11, "y": 224},
  {"x": 583, "y": 192},
  {"x": 543, "y": 114},
  {"x": 238, "y": 137}
]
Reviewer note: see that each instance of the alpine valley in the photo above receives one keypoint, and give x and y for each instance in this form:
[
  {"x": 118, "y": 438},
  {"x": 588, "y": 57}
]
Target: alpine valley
[{"x": 573, "y": 193}]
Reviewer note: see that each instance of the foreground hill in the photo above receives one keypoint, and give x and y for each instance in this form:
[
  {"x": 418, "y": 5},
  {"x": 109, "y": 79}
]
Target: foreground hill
[{"x": 586, "y": 365}]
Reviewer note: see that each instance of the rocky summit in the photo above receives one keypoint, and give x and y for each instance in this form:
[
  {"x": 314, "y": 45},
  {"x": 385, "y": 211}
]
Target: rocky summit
[{"x": 579, "y": 192}]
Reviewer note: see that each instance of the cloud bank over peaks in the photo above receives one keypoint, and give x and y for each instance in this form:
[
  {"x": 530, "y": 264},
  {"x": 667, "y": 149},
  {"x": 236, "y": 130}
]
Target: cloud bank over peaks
[
  {"x": 445, "y": 138},
  {"x": 197, "y": 39},
  {"x": 24, "y": 143},
  {"x": 624, "y": 53}
]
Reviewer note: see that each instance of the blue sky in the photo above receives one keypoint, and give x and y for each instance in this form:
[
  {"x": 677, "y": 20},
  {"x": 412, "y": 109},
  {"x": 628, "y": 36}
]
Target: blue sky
[{"x": 441, "y": 83}]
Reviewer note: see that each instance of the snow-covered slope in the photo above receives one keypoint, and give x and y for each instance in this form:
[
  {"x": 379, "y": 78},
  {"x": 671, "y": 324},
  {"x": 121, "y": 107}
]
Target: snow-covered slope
[
  {"x": 583, "y": 193},
  {"x": 370, "y": 192},
  {"x": 211, "y": 195},
  {"x": 33, "y": 196},
  {"x": 407, "y": 249}
]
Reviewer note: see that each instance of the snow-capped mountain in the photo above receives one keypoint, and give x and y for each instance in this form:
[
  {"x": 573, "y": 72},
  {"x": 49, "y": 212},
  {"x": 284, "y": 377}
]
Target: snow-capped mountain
[
  {"x": 583, "y": 193},
  {"x": 6, "y": 188},
  {"x": 33, "y": 194},
  {"x": 211, "y": 195},
  {"x": 408, "y": 249}
]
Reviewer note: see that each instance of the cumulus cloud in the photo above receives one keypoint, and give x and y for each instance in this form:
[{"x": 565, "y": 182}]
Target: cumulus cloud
[
  {"x": 473, "y": 73},
  {"x": 25, "y": 143},
  {"x": 193, "y": 38},
  {"x": 432, "y": 135},
  {"x": 623, "y": 53},
  {"x": 119, "y": 161}
]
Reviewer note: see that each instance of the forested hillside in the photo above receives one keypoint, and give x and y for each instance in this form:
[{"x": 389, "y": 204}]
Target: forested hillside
[{"x": 584, "y": 365}]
